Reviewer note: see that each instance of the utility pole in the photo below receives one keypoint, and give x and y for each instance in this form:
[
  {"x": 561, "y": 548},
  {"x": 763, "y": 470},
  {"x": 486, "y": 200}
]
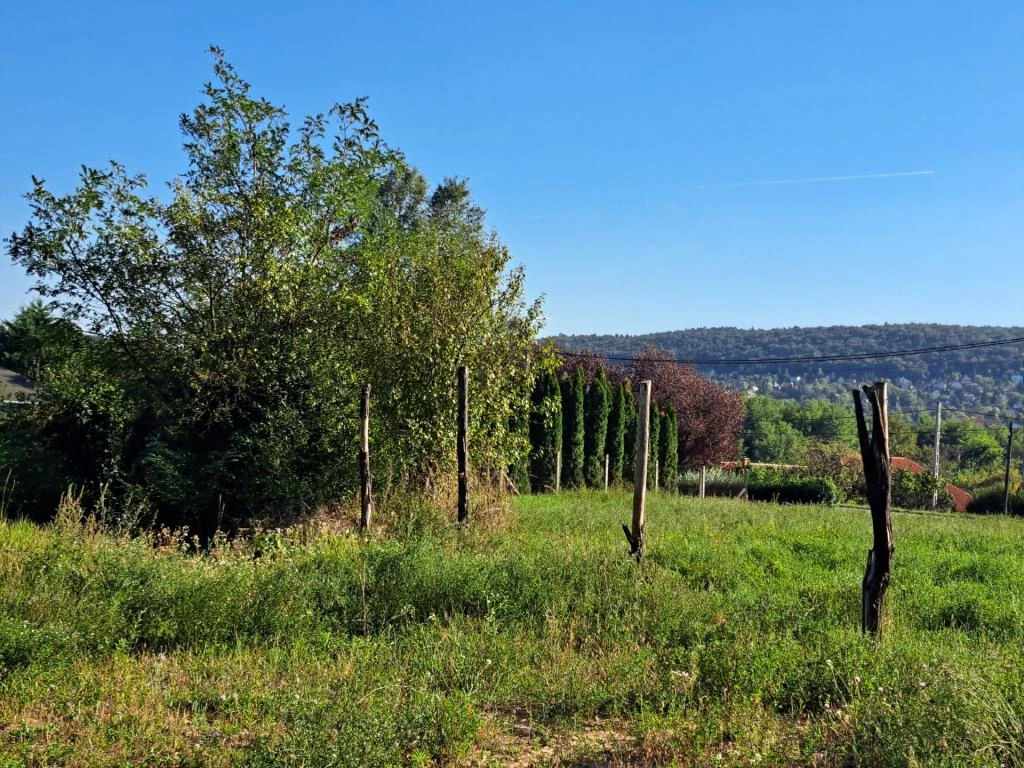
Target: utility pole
[
  {"x": 935, "y": 458},
  {"x": 1006, "y": 480}
]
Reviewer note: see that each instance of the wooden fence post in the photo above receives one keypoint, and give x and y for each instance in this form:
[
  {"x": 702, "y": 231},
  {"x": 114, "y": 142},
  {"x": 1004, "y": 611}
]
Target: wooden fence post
[
  {"x": 643, "y": 434},
  {"x": 1006, "y": 481},
  {"x": 365, "y": 481},
  {"x": 657, "y": 467},
  {"x": 703, "y": 480},
  {"x": 463, "y": 443},
  {"x": 558, "y": 471},
  {"x": 606, "y": 457},
  {"x": 874, "y": 452}
]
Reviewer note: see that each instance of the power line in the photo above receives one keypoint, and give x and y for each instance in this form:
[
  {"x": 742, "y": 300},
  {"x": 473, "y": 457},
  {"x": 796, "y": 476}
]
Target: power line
[
  {"x": 806, "y": 358},
  {"x": 977, "y": 413}
]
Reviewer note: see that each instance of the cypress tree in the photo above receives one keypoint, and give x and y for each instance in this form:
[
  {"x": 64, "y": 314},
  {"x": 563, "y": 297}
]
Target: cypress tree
[
  {"x": 595, "y": 436},
  {"x": 519, "y": 469},
  {"x": 629, "y": 439},
  {"x": 573, "y": 388},
  {"x": 545, "y": 431},
  {"x": 616, "y": 443},
  {"x": 652, "y": 453},
  {"x": 668, "y": 450}
]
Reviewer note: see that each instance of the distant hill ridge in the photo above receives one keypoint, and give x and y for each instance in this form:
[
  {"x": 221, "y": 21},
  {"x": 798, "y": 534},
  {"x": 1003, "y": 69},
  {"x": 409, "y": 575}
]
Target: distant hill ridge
[{"x": 1001, "y": 363}]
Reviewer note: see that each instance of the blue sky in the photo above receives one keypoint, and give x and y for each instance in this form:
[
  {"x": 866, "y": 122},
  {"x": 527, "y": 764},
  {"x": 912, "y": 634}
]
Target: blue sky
[{"x": 614, "y": 147}]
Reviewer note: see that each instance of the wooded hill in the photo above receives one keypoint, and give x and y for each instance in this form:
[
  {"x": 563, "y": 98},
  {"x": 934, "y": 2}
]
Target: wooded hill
[{"x": 971, "y": 377}]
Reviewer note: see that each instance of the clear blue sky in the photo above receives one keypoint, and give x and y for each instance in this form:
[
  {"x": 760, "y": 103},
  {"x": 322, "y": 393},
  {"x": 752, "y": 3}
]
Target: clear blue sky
[{"x": 613, "y": 145}]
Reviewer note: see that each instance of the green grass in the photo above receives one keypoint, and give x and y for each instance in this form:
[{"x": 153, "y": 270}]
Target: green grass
[{"x": 736, "y": 642}]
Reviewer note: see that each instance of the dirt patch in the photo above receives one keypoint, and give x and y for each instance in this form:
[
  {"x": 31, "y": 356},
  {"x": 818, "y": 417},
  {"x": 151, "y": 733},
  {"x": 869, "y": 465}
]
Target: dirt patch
[{"x": 514, "y": 740}]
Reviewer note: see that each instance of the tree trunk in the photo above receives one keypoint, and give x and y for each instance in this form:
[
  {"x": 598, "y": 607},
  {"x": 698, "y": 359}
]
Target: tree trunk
[
  {"x": 874, "y": 452},
  {"x": 636, "y": 535},
  {"x": 365, "y": 480}
]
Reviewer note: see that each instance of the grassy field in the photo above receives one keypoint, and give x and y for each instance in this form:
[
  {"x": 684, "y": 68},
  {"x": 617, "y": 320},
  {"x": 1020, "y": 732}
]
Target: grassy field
[{"x": 533, "y": 641}]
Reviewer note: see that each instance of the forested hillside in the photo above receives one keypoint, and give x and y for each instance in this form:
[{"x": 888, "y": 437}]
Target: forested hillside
[{"x": 989, "y": 378}]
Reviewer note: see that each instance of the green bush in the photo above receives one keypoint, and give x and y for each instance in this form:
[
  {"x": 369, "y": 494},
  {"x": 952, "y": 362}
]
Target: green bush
[
  {"x": 717, "y": 482},
  {"x": 992, "y": 500},
  {"x": 788, "y": 488},
  {"x": 911, "y": 491}
]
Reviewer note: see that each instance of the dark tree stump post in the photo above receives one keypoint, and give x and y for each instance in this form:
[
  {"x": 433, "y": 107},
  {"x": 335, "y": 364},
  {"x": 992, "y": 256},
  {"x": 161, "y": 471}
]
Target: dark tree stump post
[
  {"x": 635, "y": 537},
  {"x": 463, "y": 444},
  {"x": 874, "y": 452},
  {"x": 365, "y": 481}
]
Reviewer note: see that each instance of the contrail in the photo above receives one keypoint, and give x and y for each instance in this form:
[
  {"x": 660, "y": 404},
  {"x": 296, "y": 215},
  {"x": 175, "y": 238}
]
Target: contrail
[{"x": 817, "y": 179}]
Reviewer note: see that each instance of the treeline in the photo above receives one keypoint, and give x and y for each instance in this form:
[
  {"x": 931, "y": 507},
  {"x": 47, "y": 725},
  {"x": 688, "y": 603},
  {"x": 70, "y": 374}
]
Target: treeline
[
  {"x": 786, "y": 432},
  {"x": 584, "y": 410},
  {"x": 737, "y": 343},
  {"x": 822, "y": 437}
]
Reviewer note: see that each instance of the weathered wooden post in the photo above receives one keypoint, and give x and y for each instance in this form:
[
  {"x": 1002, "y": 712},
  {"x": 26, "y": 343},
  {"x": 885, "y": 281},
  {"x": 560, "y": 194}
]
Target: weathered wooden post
[
  {"x": 935, "y": 455},
  {"x": 874, "y": 452},
  {"x": 1006, "y": 481},
  {"x": 365, "y": 481},
  {"x": 558, "y": 471},
  {"x": 643, "y": 433},
  {"x": 463, "y": 443},
  {"x": 657, "y": 467},
  {"x": 606, "y": 458},
  {"x": 703, "y": 480}
]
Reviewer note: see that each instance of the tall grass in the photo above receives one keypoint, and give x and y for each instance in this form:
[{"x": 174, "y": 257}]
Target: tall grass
[{"x": 734, "y": 642}]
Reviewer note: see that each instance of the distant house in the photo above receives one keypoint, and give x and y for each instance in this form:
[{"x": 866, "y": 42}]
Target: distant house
[{"x": 14, "y": 387}]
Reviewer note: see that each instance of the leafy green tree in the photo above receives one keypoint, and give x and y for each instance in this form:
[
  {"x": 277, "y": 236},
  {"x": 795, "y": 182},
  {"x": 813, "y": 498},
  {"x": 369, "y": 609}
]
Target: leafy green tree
[
  {"x": 981, "y": 450},
  {"x": 596, "y": 410},
  {"x": 617, "y": 417},
  {"x": 767, "y": 437},
  {"x": 903, "y": 440},
  {"x": 826, "y": 422},
  {"x": 668, "y": 449},
  {"x": 519, "y": 469},
  {"x": 545, "y": 431},
  {"x": 236, "y": 321},
  {"x": 653, "y": 446},
  {"x": 33, "y": 338},
  {"x": 573, "y": 393}
]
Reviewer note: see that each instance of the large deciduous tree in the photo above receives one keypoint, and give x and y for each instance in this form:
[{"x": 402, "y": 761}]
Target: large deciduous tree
[
  {"x": 710, "y": 417},
  {"x": 234, "y": 319}
]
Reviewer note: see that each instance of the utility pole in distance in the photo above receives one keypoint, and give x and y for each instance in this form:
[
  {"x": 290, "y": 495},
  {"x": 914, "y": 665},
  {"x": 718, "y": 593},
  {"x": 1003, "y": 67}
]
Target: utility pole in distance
[{"x": 935, "y": 459}]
